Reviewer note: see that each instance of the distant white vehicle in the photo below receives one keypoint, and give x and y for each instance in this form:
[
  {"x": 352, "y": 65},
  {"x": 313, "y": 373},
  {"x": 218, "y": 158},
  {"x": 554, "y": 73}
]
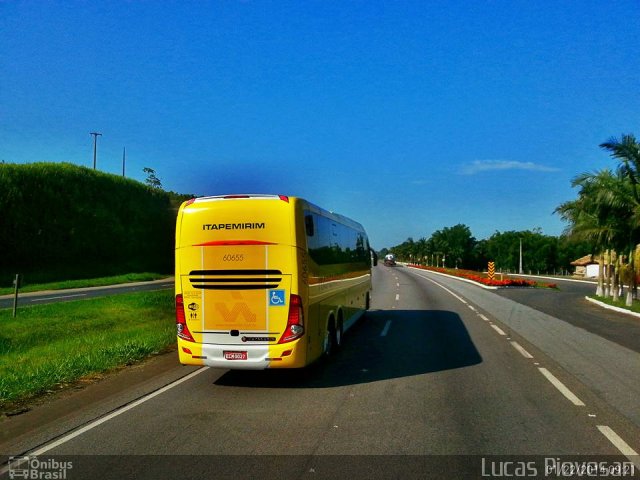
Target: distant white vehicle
[{"x": 390, "y": 260}]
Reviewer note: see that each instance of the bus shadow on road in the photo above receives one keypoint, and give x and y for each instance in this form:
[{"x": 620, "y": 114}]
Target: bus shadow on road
[{"x": 383, "y": 345}]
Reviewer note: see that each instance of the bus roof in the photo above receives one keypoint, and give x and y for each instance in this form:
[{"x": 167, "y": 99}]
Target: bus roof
[{"x": 258, "y": 196}]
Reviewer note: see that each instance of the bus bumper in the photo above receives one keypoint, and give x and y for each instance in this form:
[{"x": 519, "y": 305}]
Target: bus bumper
[{"x": 243, "y": 357}]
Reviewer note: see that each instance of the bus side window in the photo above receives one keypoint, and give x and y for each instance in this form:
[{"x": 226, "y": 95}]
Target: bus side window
[{"x": 308, "y": 223}]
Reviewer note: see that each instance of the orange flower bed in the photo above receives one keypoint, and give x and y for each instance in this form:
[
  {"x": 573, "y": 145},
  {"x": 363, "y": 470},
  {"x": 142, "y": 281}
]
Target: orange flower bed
[{"x": 484, "y": 280}]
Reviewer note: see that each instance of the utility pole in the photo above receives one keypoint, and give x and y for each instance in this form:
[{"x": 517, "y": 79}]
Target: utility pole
[
  {"x": 124, "y": 155},
  {"x": 95, "y": 146},
  {"x": 520, "y": 269}
]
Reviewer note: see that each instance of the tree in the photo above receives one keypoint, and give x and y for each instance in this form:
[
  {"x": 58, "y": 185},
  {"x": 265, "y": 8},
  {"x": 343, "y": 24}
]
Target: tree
[
  {"x": 456, "y": 244},
  {"x": 152, "y": 180},
  {"x": 627, "y": 151},
  {"x": 601, "y": 214},
  {"x": 570, "y": 248}
]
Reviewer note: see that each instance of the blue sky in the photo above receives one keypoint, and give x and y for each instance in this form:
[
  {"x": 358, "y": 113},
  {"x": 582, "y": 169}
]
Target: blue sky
[{"x": 408, "y": 116}]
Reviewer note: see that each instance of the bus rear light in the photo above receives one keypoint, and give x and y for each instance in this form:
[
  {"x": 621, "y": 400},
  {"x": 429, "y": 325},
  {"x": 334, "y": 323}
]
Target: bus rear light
[
  {"x": 284, "y": 198},
  {"x": 181, "y": 321},
  {"x": 187, "y": 351},
  {"x": 295, "y": 320}
]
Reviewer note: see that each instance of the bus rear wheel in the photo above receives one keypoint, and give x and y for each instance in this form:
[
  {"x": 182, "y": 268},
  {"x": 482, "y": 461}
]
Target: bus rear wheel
[
  {"x": 331, "y": 339},
  {"x": 338, "y": 334}
]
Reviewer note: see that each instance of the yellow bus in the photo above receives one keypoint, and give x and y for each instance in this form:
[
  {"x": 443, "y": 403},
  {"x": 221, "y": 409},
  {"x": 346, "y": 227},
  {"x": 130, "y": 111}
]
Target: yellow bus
[{"x": 266, "y": 281}]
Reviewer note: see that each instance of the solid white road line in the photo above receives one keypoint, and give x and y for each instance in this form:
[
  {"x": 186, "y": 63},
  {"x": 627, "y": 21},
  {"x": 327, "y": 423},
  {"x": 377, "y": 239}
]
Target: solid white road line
[
  {"x": 385, "y": 330},
  {"x": 522, "y": 351},
  {"x": 115, "y": 413},
  {"x": 561, "y": 387},
  {"x": 498, "y": 329},
  {"x": 55, "y": 298},
  {"x": 444, "y": 288},
  {"x": 620, "y": 444}
]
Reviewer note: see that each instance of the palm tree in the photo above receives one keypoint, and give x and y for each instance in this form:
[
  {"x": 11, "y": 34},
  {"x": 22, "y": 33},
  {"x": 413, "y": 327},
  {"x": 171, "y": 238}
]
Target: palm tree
[
  {"x": 581, "y": 219},
  {"x": 627, "y": 151},
  {"x": 599, "y": 214}
]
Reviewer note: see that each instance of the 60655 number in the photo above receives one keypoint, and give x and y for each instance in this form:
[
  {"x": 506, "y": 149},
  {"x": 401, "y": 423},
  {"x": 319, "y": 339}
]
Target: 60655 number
[{"x": 233, "y": 257}]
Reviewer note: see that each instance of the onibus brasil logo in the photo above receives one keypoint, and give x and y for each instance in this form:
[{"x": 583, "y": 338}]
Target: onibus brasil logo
[{"x": 31, "y": 467}]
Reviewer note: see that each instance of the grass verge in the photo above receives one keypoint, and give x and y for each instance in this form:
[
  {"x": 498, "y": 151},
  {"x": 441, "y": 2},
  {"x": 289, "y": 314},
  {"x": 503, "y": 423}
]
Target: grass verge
[
  {"x": 50, "y": 346},
  {"x": 90, "y": 282},
  {"x": 635, "y": 306}
]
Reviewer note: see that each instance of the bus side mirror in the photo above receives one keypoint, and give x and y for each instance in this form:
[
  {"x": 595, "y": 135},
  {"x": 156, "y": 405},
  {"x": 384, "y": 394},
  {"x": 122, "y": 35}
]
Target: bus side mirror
[{"x": 374, "y": 257}]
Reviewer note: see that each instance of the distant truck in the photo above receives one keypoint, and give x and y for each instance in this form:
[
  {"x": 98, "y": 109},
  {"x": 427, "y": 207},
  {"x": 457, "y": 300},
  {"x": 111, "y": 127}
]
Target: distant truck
[{"x": 390, "y": 260}]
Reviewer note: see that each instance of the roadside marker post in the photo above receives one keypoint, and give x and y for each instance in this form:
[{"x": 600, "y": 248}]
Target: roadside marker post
[
  {"x": 16, "y": 284},
  {"x": 491, "y": 270}
]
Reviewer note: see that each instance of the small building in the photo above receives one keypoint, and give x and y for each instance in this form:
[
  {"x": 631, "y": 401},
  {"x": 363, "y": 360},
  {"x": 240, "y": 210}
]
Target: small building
[{"x": 586, "y": 266}]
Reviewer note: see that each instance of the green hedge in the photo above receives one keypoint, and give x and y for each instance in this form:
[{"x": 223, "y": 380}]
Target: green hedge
[{"x": 62, "y": 221}]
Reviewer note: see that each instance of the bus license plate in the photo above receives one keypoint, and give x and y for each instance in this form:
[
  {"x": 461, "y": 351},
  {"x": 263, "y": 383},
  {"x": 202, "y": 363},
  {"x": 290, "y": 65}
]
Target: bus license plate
[{"x": 235, "y": 355}]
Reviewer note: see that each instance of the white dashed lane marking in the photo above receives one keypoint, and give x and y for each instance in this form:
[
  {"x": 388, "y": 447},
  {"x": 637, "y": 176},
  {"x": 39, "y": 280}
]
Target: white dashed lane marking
[
  {"x": 612, "y": 436},
  {"x": 520, "y": 349},
  {"x": 561, "y": 387},
  {"x": 620, "y": 444},
  {"x": 498, "y": 329}
]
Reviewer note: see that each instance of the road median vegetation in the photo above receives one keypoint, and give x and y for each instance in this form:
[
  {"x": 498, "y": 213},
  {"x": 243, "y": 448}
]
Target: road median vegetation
[
  {"x": 49, "y": 347},
  {"x": 482, "y": 278}
]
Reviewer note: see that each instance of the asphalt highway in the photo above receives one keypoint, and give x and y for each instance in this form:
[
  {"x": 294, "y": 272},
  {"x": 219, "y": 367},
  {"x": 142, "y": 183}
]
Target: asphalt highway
[
  {"x": 568, "y": 303},
  {"x": 441, "y": 379},
  {"x": 67, "y": 295}
]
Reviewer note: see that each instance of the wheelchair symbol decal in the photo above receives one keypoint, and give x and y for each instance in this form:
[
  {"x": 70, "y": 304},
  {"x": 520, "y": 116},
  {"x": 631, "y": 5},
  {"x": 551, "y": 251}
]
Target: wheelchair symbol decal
[{"x": 276, "y": 298}]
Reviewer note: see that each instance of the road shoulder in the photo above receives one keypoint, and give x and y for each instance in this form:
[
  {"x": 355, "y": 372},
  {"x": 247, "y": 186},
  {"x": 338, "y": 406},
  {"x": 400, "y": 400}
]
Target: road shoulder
[{"x": 88, "y": 399}]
